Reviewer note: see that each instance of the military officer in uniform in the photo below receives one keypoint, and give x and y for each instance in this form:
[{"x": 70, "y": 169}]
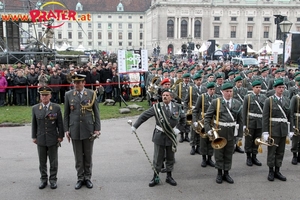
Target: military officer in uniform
[
  {"x": 230, "y": 78},
  {"x": 277, "y": 112},
  {"x": 167, "y": 115},
  {"x": 206, "y": 149},
  {"x": 294, "y": 90},
  {"x": 248, "y": 80},
  {"x": 252, "y": 116},
  {"x": 230, "y": 122},
  {"x": 82, "y": 126},
  {"x": 295, "y": 114},
  {"x": 47, "y": 132},
  {"x": 219, "y": 82},
  {"x": 189, "y": 103}
]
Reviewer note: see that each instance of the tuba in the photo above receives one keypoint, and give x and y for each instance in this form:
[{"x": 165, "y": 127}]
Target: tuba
[
  {"x": 217, "y": 141},
  {"x": 152, "y": 88},
  {"x": 175, "y": 84},
  {"x": 270, "y": 142},
  {"x": 200, "y": 128},
  {"x": 189, "y": 116}
]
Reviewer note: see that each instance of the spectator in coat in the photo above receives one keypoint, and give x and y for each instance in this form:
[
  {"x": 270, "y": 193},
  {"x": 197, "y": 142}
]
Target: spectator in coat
[
  {"x": 20, "y": 81},
  {"x": 3, "y": 85}
]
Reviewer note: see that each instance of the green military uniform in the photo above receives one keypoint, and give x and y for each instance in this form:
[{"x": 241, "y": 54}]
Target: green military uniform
[
  {"x": 247, "y": 82},
  {"x": 252, "y": 120},
  {"x": 46, "y": 128},
  {"x": 239, "y": 93},
  {"x": 295, "y": 114},
  {"x": 227, "y": 124},
  {"x": 279, "y": 130}
]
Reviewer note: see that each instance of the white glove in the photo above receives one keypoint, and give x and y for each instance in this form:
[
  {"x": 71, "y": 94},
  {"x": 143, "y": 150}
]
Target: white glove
[
  {"x": 291, "y": 134},
  {"x": 176, "y": 131},
  {"x": 195, "y": 124},
  {"x": 244, "y": 127},
  {"x": 265, "y": 136},
  {"x": 209, "y": 133},
  {"x": 133, "y": 129}
]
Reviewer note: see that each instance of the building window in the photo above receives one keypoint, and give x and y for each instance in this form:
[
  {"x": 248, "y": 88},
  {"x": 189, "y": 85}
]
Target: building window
[
  {"x": 99, "y": 25},
  {"x": 80, "y": 35},
  {"x": 89, "y": 43},
  {"x": 216, "y": 31},
  {"x": 129, "y": 44},
  {"x": 266, "y": 31},
  {"x": 141, "y": 36},
  {"x": 170, "y": 28},
  {"x": 99, "y": 16},
  {"x": 90, "y": 35},
  {"x": 59, "y": 36},
  {"x": 120, "y": 44},
  {"x": 109, "y": 43},
  {"x": 120, "y": 17},
  {"x": 216, "y": 18},
  {"x": 233, "y": 32},
  {"x": 109, "y": 26},
  {"x": 233, "y": 19},
  {"x": 120, "y": 25},
  {"x": 298, "y": 28},
  {"x": 141, "y": 17},
  {"x": 129, "y": 17},
  {"x": 249, "y": 31},
  {"x": 80, "y": 43},
  {"x": 89, "y": 25},
  {"x": 130, "y": 26},
  {"x": 99, "y": 43},
  {"x": 69, "y": 35},
  {"x": 109, "y": 35},
  {"x": 129, "y": 36},
  {"x": 69, "y": 25},
  {"x": 120, "y": 36},
  {"x": 99, "y": 35},
  {"x": 298, "y": 19},
  {"x": 266, "y": 19},
  {"x": 197, "y": 29},
  {"x": 109, "y": 16},
  {"x": 141, "y": 26},
  {"x": 183, "y": 28},
  {"x": 141, "y": 44},
  {"x": 250, "y": 19}
]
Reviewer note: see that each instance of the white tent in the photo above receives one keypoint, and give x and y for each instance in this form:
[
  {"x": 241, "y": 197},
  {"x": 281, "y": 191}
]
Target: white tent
[
  {"x": 64, "y": 46},
  {"x": 249, "y": 50},
  {"x": 203, "y": 47},
  {"x": 266, "y": 49},
  {"x": 80, "y": 48}
]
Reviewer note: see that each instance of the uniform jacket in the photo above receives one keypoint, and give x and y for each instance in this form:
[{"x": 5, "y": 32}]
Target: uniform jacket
[
  {"x": 295, "y": 110},
  {"x": 195, "y": 94},
  {"x": 241, "y": 91},
  {"x": 272, "y": 92},
  {"x": 176, "y": 117},
  {"x": 47, "y": 126},
  {"x": 197, "y": 111},
  {"x": 278, "y": 129},
  {"x": 293, "y": 91},
  {"x": 254, "y": 122},
  {"x": 247, "y": 84},
  {"x": 184, "y": 90},
  {"x": 81, "y": 125},
  {"x": 236, "y": 111}
]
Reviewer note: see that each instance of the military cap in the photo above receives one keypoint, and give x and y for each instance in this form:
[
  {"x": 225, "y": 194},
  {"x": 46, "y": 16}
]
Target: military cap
[
  {"x": 277, "y": 71},
  {"x": 218, "y": 76},
  {"x": 193, "y": 67},
  {"x": 255, "y": 70},
  {"x": 172, "y": 69},
  {"x": 238, "y": 78},
  {"x": 45, "y": 90},
  {"x": 208, "y": 69},
  {"x": 278, "y": 82},
  {"x": 231, "y": 73},
  {"x": 158, "y": 69},
  {"x": 296, "y": 74},
  {"x": 255, "y": 83},
  {"x": 166, "y": 80},
  {"x": 297, "y": 78},
  {"x": 165, "y": 71},
  {"x": 186, "y": 75},
  {"x": 248, "y": 71},
  {"x": 264, "y": 69},
  {"x": 245, "y": 65},
  {"x": 200, "y": 71},
  {"x": 210, "y": 75},
  {"x": 219, "y": 67},
  {"x": 153, "y": 69},
  {"x": 226, "y": 86},
  {"x": 185, "y": 69},
  {"x": 78, "y": 77},
  {"x": 165, "y": 90},
  {"x": 179, "y": 70},
  {"x": 237, "y": 72},
  {"x": 210, "y": 85},
  {"x": 197, "y": 76}
]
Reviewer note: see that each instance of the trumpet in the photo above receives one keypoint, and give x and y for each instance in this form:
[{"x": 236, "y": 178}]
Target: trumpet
[
  {"x": 189, "y": 116},
  {"x": 247, "y": 132},
  {"x": 270, "y": 142},
  {"x": 199, "y": 128},
  {"x": 217, "y": 141}
]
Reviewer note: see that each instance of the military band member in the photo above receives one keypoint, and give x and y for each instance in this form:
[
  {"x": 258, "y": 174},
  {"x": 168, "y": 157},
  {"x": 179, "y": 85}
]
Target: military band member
[
  {"x": 230, "y": 115},
  {"x": 272, "y": 91},
  {"x": 47, "y": 132},
  {"x": 277, "y": 112},
  {"x": 295, "y": 114},
  {"x": 219, "y": 83},
  {"x": 181, "y": 91},
  {"x": 165, "y": 74},
  {"x": 210, "y": 78},
  {"x": 294, "y": 90},
  {"x": 264, "y": 80},
  {"x": 206, "y": 149},
  {"x": 189, "y": 103},
  {"x": 252, "y": 116},
  {"x": 248, "y": 80},
  {"x": 230, "y": 78},
  {"x": 82, "y": 125},
  {"x": 167, "y": 115},
  {"x": 239, "y": 92},
  {"x": 271, "y": 82}
]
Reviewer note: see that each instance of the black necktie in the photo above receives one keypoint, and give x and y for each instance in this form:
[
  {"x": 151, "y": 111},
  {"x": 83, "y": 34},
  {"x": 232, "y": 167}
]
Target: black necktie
[
  {"x": 257, "y": 97},
  {"x": 79, "y": 95},
  {"x": 168, "y": 109},
  {"x": 228, "y": 105},
  {"x": 45, "y": 108}
]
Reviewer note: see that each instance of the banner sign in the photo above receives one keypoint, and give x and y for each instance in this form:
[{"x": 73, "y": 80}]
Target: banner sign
[{"x": 132, "y": 61}]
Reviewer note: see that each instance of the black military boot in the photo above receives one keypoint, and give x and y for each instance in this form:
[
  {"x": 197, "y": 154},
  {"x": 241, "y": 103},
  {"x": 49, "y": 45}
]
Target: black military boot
[
  {"x": 170, "y": 180},
  {"x": 210, "y": 162},
  {"x": 239, "y": 149},
  {"x": 219, "y": 178},
  {"x": 203, "y": 163},
  {"x": 278, "y": 175},
  {"x": 255, "y": 161},
  {"x": 154, "y": 181},
  {"x": 298, "y": 157},
  {"x": 249, "y": 160},
  {"x": 181, "y": 137},
  {"x": 186, "y": 138},
  {"x": 295, "y": 159},
  {"x": 198, "y": 149},
  {"x": 193, "y": 150},
  {"x": 227, "y": 178},
  {"x": 271, "y": 174}
]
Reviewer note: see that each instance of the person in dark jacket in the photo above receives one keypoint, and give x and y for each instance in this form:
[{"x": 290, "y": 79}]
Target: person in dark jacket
[
  {"x": 105, "y": 73},
  {"x": 95, "y": 76},
  {"x": 32, "y": 81},
  {"x": 10, "y": 77},
  {"x": 55, "y": 80},
  {"x": 88, "y": 77},
  {"x": 20, "y": 81},
  {"x": 64, "y": 81}
]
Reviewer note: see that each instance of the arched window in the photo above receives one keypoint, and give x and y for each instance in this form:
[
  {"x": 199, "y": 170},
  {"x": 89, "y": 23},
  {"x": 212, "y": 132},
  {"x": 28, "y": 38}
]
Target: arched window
[
  {"x": 197, "y": 29},
  {"x": 170, "y": 28},
  {"x": 183, "y": 28}
]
